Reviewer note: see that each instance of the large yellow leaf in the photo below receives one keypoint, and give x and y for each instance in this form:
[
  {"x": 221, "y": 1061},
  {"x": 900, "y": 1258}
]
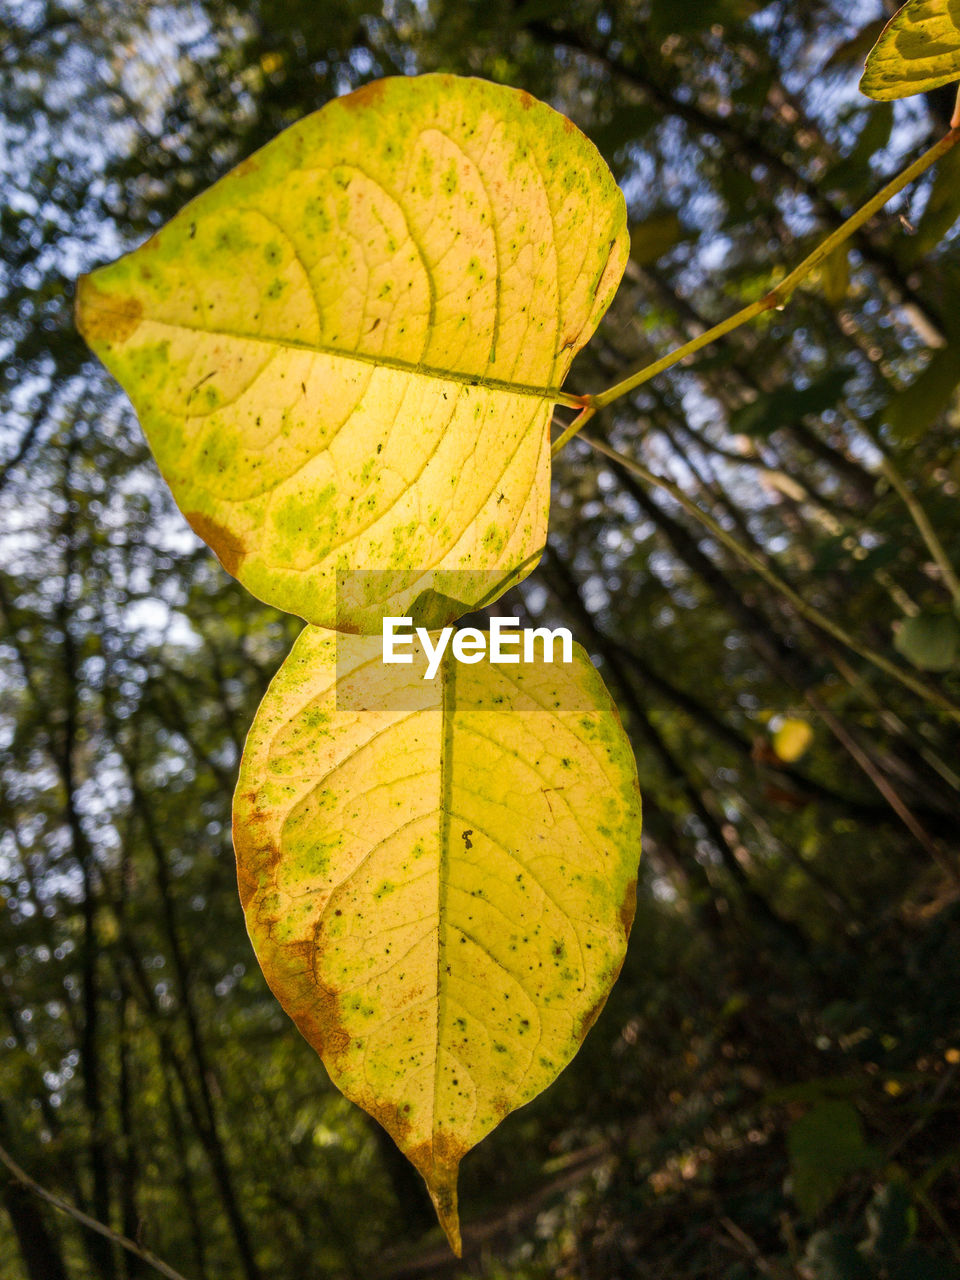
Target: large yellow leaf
[
  {"x": 345, "y": 353},
  {"x": 918, "y": 49},
  {"x": 438, "y": 879}
]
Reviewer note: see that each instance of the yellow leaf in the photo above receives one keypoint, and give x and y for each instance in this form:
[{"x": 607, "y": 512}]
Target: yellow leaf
[
  {"x": 792, "y": 739},
  {"x": 918, "y": 49},
  {"x": 345, "y": 354},
  {"x": 438, "y": 879}
]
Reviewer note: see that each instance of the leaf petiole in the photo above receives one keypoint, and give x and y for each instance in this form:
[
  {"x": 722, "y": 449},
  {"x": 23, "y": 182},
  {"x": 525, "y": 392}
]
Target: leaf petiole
[{"x": 582, "y": 418}]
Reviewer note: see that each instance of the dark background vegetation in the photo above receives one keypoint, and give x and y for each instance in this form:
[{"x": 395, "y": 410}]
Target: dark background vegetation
[{"x": 772, "y": 1089}]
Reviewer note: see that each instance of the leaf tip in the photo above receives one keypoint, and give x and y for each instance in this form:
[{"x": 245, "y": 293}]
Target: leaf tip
[{"x": 442, "y": 1185}]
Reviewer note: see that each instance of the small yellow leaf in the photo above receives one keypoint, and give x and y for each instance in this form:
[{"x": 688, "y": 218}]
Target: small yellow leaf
[
  {"x": 438, "y": 878},
  {"x": 918, "y": 49},
  {"x": 345, "y": 354},
  {"x": 792, "y": 739}
]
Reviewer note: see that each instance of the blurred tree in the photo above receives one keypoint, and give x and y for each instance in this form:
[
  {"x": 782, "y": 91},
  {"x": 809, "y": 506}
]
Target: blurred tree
[{"x": 795, "y": 944}]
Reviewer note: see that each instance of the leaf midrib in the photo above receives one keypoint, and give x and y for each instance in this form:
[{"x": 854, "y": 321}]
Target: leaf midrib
[
  {"x": 447, "y": 712},
  {"x": 552, "y": 394}
]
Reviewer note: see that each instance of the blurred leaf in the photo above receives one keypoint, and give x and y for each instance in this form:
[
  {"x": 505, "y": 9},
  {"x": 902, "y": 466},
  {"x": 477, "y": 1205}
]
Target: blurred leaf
[
  {"x": 786, "y": 405},
  {"x": 942, "y": 209},
  {"x": 856, "y": 47},
  {"x": 911, "y": 411},
  {"x": 670, "y": 18},
  {"x": 652, "y": 238},
  {"x": 739, "y": 193},
  {"x": 833, "y": 1255},
  {"x": 917, "y": 1264},
  {"x": 855, "y": 169},
  {"x": 628, "y": 123},
  {"x": 919, "y": 49},
  {"x": 931, "y": 641},
  {"x": 939, "y": 277},
  {"x": 891, "y": 1221},
  {"x": 792, "y": 740},
  {"x": 825, "y": 1147}
]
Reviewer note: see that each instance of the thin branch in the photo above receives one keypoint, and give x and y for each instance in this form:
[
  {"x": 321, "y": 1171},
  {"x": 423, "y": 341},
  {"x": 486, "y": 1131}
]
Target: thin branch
[
  {"x": 746, "y": 147},
  {"x": 582, "y": 418},
  {"x": 927, "y": 531},
  {"x": 777, "y": 297},
  {"x": 85, "y": 1220},
  {"x": 808, "y": 611}
]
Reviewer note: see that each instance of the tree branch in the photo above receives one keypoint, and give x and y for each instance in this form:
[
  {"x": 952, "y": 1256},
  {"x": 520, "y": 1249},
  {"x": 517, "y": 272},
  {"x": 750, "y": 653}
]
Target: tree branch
[{"x": 145, "y": 1255}]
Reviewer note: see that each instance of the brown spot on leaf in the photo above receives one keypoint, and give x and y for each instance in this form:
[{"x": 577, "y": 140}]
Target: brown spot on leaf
[
  {"x": 320, "y": 1025},
  {"x": 443, "y": 1152},
  {"x": 590, "y": 1017},
  {"x": 303, "y": 949},
  {"x": 365, "y": 96},
  {"x": 247, "y": 886},
  {"x": 393, "y": 1117},
  {"x": 248, "y": 856},
  {"x": 501, "y": 1106},
  {"x": 225, "y": 545},
  {"x": 105, "y": 317},
  {"x": 628, "y": 908}
]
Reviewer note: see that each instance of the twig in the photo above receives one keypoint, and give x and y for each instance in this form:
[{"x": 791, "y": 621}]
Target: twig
[
  {"x": 778, "y": 297},
  {"x": 927, "y": 531},
  {"x": 582, "y": 418},
  {"x": 928, "y": 1111},
  {"x": 750, "y": 1246},
  {"x": 808, "y": 611},
  {"x": 939, "y": 1220},
  {"x": 85, "y": 1220}
]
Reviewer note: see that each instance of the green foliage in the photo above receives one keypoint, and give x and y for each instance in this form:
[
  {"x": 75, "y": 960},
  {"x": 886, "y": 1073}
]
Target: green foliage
[
  {"x": 912, "y": 410},
  {"x": 931, "y": 641},
  {"x": 941, "y": 211},
  {"x": 885, "y": 1253},
  {"x": 826, "y": 1146},
  {"x": 790, "y": 926},
  {"x": 788, "y": 405}
]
